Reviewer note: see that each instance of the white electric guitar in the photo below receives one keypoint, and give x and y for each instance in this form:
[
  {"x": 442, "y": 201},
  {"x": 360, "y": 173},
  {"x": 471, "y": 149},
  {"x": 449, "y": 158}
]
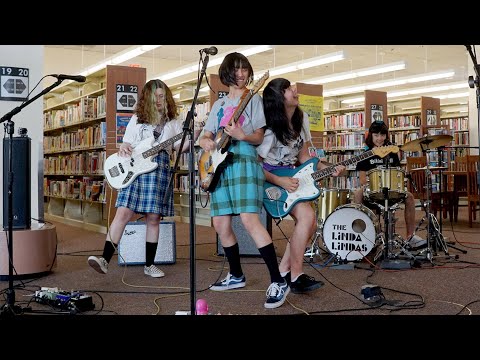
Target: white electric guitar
[{"x": 121, "y": 171}]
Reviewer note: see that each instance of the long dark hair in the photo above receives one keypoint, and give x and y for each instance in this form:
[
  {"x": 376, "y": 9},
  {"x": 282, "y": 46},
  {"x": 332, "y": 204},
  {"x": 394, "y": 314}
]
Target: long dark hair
[
  {"x": 377, "y": 127},
  {"x": 275, "y": 114},
  {"x": 234, "y": 61}
]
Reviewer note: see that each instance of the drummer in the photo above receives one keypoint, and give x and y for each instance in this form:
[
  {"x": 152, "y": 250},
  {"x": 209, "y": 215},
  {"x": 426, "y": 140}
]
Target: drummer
[{"x": 377, "y": 137}]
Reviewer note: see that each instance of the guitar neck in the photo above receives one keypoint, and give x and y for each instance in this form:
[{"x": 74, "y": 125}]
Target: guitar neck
[
  {"x": 318, "y": 175},
  {"x": 163, "y": 145}
]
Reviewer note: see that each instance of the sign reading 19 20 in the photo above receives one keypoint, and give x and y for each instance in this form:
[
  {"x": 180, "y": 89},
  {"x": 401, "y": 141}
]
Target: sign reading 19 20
[
  {"x": 127, "y": 96},
  {"x": 13, "y": 83}
]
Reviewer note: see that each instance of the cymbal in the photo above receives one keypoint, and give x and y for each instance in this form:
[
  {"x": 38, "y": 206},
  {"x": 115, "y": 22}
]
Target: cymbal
[
  {"x": 432, "y": 168},
  {"x": 426, "y": 142}
]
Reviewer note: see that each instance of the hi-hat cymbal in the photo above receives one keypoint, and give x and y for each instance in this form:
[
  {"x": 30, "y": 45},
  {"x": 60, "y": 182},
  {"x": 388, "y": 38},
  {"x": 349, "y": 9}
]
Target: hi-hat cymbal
[
  {"x": 431, "y": 168},
  {"x": 426, "y": 143}
]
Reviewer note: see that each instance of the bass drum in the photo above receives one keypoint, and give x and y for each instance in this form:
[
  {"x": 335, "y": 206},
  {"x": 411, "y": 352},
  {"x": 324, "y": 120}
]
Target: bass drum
[
  {"x": 350, "y": 232},
  {"x": 329, "y": 200}
]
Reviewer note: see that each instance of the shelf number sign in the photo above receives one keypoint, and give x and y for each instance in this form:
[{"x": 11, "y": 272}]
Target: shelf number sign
[
  {"x": 13, "y": 83},
  {"x": 377, "y": 112},
  {"x": 127, "y": 97}
]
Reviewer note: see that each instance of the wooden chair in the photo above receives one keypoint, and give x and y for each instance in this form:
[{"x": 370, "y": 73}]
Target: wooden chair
[
  {"x": 473, "y": 196},
  {"x": 458, "y": 181},
  {"x": 438, "y": 199}
]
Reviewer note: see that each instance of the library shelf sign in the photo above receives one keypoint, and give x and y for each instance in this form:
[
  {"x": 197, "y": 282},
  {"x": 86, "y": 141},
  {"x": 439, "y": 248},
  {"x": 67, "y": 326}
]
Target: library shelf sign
[
  {"x": 431, "y": 117},
  {"x": 13, "y": 83},
  {"x": 127, "y": 97},
  {"x": 376, "y": 112}
]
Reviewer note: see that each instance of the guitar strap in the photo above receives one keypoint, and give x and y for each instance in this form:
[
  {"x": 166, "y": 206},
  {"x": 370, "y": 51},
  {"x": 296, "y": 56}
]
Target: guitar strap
[{"x": 158, "y": 131}]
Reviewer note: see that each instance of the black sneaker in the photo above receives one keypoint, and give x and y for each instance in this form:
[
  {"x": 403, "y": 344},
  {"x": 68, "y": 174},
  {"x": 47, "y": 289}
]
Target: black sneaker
[
  {"x": 288, "y": 278},
  {"x": 305, "y": 283}
]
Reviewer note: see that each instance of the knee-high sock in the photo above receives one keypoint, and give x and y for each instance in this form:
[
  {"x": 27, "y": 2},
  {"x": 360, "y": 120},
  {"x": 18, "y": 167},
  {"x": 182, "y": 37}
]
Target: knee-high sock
[
  {"x": 233, "y": 255},
  {"x": 108, "y": 251},
  {"x": 150, "y": 252},
  {"x": 270, "y": 258}
]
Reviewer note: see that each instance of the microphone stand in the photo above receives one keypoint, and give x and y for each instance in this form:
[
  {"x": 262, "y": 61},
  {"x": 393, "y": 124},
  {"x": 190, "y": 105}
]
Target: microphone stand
[
  {"x": 9, "y": 308},
  {"x": 188, "y": 128},
  {"x": 476, "y": 83}
]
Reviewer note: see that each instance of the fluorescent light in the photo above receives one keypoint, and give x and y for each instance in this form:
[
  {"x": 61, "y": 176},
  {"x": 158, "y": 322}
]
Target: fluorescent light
[
  {"x": 379, "y": 69},
  {"x": 119, "y": 58},
  {"x": 303, "y": 64},
  {"x": 383, "y": 84},
  {"x": 247, "y": 51},
  {"x": 424, "y": 90}
]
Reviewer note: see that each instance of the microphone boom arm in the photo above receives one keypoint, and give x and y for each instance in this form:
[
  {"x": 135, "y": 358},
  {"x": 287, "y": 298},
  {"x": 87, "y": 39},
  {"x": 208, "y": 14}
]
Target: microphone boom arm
[{"x": 8, "y": 116}]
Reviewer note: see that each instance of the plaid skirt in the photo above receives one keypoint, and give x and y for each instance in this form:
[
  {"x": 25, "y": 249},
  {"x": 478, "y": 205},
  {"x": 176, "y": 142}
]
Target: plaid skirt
[
  {"x": 240, "y": 185},
  {"x": 145, "y": 194}
]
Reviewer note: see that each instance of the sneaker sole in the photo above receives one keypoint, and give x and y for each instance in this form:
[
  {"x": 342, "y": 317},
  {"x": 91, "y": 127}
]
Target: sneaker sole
[
  {"x": 278, "y": 304},
  {"x": 96, "y": 266},
  {"x": 307, "y": 289},
  {"x": 155, "y": 275},
  {"x": 225, "y": 288}
]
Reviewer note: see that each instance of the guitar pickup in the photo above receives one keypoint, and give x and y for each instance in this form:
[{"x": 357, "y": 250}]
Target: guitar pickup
[{"x": 121, "y": 168}]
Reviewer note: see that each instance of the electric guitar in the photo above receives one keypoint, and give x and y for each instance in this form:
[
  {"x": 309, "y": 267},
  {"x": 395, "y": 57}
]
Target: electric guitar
[
  {"x": 278, "y": 202},
  {"x": 211, "y": 163},
  {"x": 121, "y": 171}
]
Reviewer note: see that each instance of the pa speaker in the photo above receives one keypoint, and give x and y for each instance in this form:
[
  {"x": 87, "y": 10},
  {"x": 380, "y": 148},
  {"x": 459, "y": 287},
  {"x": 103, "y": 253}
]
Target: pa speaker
[
  {"x": 246, "y": 244},
  {"x": 21, "y": 189},
  {"x": 131, "y": 248}
]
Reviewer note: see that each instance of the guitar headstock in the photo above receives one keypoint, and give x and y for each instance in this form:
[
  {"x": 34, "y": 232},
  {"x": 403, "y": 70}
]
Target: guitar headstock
[
  {"x": 260, "y": 82},
  {"x": 385, "y": 150}
]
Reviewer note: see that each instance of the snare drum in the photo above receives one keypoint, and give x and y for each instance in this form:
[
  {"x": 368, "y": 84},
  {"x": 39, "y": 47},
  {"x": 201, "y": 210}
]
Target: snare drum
[
  {"x": 391, "y": 178},
  {"x": 329, "y": 200},
  {"x": 350, "y": 231}
]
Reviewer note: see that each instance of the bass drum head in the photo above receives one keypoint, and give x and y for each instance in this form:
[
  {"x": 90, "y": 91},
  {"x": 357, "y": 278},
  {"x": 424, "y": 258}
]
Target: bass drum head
[{"x": 350, "y": 232}]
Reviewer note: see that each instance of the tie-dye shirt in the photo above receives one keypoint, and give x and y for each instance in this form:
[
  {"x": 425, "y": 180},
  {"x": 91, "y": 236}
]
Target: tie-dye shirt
[{"x": 251, "y": 119}]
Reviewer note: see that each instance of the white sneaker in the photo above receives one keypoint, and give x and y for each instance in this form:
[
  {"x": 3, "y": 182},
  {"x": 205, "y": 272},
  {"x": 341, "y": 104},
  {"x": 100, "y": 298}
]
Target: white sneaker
[
  {"x": 153, "y": 271},
  {"x": 416, "y": 242},
  {"x": 98, "y": 264}
]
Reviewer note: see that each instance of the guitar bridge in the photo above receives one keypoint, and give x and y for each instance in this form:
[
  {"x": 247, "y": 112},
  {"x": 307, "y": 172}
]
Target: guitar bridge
[{"x": 113, "y": 172}]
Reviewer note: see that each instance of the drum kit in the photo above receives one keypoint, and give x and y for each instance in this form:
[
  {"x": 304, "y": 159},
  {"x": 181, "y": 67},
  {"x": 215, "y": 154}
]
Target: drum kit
[{"x": 350, "y": 231}]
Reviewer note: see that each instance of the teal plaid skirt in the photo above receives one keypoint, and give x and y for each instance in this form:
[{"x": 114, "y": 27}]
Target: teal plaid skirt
[{"x": 240, "y": 185}]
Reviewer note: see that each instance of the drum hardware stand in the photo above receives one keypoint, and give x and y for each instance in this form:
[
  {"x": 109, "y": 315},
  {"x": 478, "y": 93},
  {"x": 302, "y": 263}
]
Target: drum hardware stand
[
  {"x": 435, "y": 239},
  {"x": 315, "y": 248},
  {"x": 389, "y": 261}
]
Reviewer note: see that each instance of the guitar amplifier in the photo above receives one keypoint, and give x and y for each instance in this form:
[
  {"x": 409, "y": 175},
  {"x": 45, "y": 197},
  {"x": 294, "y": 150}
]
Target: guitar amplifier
[{"x": 131, "y": 248}]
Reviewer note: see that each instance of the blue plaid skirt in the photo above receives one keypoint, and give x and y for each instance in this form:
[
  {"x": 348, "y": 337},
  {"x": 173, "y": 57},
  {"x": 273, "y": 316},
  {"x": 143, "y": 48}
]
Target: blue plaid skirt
[{"x": 145, "y": 194}]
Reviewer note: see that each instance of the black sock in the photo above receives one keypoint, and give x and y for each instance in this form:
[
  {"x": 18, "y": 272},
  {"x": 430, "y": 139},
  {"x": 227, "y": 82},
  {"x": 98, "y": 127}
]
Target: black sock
[
  {"x": 270, "y": 258},
  {"x": 233, "y": 255},
  {"x": 108, "y": 251},
  {"x": 150, "y": 252}
]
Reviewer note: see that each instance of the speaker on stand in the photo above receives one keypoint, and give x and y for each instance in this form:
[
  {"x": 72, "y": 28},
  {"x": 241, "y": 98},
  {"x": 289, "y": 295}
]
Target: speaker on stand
[
  {"x": 21, "y": 190},
  {"x": 246, "y": 244}
]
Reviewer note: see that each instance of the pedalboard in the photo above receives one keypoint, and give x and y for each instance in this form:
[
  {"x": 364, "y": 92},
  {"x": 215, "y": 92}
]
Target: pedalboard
[{"x": 73, "y": 301}]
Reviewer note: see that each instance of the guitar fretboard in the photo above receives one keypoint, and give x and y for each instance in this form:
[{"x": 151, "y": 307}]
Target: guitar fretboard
[
  {"x": 163, "y": 145},
  {"x": 317, "y": 175}
]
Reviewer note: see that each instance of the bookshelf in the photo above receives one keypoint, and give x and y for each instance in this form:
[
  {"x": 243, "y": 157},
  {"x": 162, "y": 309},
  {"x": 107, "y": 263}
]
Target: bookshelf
[
  {"x": 341, "y": 132},
  {"x": 80, "y": 132}
]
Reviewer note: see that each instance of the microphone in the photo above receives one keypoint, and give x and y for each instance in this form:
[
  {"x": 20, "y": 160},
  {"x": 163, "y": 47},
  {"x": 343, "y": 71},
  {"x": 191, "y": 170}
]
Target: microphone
[
  {"x": 212, "y": 50},
  {"x": 79, "y": 78}
]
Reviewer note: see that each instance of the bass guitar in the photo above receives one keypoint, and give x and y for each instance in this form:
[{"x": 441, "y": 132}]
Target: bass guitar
[
  {"x": 121, "y": 171},
  {"x": 211, "y": 163},
  {"x": 278, "y": 202}
]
